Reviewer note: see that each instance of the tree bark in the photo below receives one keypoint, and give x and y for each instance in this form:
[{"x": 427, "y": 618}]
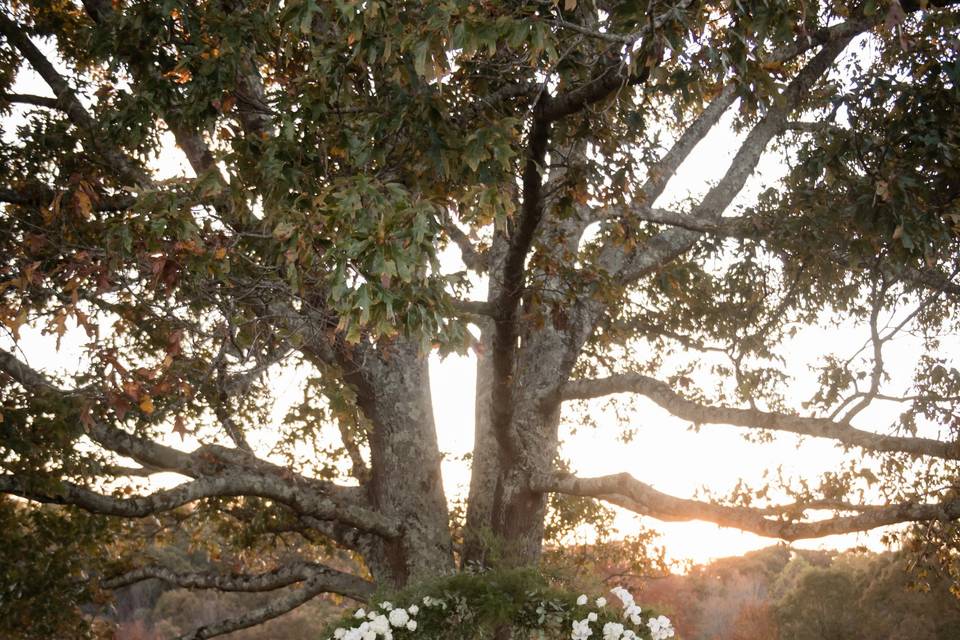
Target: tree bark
[{"x": 393, "y": 390}]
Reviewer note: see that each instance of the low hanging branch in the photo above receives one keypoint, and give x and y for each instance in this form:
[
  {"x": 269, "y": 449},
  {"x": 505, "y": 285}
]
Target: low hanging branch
[
  {"x": 626, "y": 491},
  {"x": 310, "y": 589},
  {"x": 333, "y": 581}
]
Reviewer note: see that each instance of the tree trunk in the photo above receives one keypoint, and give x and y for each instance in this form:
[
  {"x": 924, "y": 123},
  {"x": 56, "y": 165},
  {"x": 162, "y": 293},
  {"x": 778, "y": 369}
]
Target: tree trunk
[{"x": 406, "y": 480}]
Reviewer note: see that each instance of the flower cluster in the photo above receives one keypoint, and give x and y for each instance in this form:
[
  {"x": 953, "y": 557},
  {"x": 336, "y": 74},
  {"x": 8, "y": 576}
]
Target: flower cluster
[
  {"x": 465, "y": 606},
  {"x": 660, "y": 627},
  {"x": 379, "y": 625}
]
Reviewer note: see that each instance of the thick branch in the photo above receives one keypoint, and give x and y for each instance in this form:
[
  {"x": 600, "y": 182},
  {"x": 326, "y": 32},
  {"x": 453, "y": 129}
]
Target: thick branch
[
  {"x": 219, "y": 471},
  {"x": 663, "y": 395},
  {"x": 288, "y": 602},
  {"x": 626, "y": 491},
  {"x": 26, "y": 98},
  {"x": 333, "y": 581},
  {"x": 514, "y": 274},
  {"x": 135, "y": 507},
  {"x": 42, "y": 197},
  {"x": 474, "y": 260},
  {"x": 612, "y": 77}
]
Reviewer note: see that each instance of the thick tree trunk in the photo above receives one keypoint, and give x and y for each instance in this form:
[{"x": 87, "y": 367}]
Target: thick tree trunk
[
  {"x": 405, "y": 460},
  {"x": 519, "y": 512}
]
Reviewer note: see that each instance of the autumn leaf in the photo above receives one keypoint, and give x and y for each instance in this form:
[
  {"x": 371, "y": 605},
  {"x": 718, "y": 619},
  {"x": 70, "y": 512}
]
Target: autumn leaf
[
  {"x": 83, "y": 202},
  {"x": 180, "y": 76},
  {"x": 146, "y": 404},
  {"x": 179, "y": 427}
]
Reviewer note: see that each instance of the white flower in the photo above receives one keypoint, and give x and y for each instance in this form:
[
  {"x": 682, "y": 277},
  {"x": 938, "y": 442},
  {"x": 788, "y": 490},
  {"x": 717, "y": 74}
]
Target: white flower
[
  {"x": 582, "y": 600},
  {"x": 380, "y": 625},
  {"x": 581, "y": 630},
  {"x": 386, "y": 606},
  {"x": 592, "y": 617},
  {"x": 339, "y": 633},
  {"x": 612, "y": 631},
  {"x": 399, "y": 617},
  {"x": 372, "y": 615},
  {"x": 601, "y": 602},
  {"x": 626, "y": 598},
  {"x": 360, "y": 613},
  {"x": 353, "y": 634},
  {"x": 413, "y": 609},
  {"x": 412, "y": 625},
  {"x": 660, "y": 628},
  {"x": 632, "y": 611}
]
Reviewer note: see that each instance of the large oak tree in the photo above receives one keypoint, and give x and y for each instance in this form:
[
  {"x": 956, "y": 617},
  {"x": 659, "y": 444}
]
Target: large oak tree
[{"x": 336, "y": 148}]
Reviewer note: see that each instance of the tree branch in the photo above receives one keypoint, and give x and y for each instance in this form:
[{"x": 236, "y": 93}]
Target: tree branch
[
  {"x": 626, "y": 491},
  {"x": 474, "y": 260},
  {"x": 219, "y": 471},
  {"x": 311, "y": 588},
  {"x": 26, "y": 98},
  {"x": 67, "y": 100},
  {"x": 661, "y": 393},
  {"x": 334, "y": 581}
]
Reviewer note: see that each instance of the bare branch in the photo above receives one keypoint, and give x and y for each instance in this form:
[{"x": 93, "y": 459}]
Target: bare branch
[
  {"x": 135, "y": 507},
  {"x": 26, "y": 98},
  {"x": 311, "y": 588},
  {"x": 335, "y": 581},
  {"x": 667, "y": 166},
  {"x": 42, "y": 197},
  {"x": 626, "y": 491},
  {"x": 663, "y": 395}
]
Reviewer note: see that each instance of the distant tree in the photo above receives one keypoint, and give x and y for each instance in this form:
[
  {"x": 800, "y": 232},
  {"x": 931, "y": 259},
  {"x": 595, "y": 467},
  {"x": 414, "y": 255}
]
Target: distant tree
[
  {"x": 335, "y": 148},
  {"x": 822, "y": 606},
  {"x": 757, "y": 621},
  {"x": 894, "y": 605}
]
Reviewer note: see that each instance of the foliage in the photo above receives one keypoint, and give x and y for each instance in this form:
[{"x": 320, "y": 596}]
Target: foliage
[{"x": 46, "y": 576}]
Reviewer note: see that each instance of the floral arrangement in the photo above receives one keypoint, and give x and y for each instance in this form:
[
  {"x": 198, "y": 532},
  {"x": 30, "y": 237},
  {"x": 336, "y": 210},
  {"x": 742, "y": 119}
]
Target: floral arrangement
[{"x": 469, "y": 607}]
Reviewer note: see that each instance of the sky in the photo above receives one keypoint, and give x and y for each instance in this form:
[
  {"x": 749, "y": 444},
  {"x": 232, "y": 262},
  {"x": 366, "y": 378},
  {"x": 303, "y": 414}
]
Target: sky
[{"x": 665, "y": 453}]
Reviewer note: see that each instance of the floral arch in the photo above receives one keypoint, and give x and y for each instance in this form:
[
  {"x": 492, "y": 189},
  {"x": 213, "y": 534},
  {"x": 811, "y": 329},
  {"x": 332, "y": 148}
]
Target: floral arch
[{"x": 475, "y": 606}]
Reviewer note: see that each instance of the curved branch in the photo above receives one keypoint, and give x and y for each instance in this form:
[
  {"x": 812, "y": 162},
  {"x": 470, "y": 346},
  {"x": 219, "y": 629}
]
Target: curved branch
[
  {"x": 626, "y": 491},
  {"x": 220, "y": 471},
  {"x": 311, "y": 588},
  {"x": 333, "y": 581},
  {"x": 686, "y": 409},
  {"x": 135, "y": 507}
]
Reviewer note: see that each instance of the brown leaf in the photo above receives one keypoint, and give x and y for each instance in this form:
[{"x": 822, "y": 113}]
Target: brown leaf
[{"x": 179, "y": 427}]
